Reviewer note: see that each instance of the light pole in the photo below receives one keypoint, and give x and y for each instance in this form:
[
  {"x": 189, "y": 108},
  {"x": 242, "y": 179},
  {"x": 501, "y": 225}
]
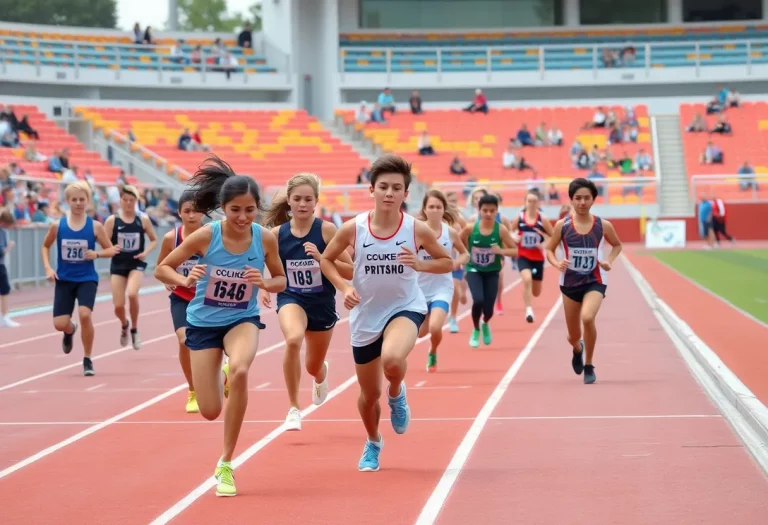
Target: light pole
[{"x": 173, "y": 15}]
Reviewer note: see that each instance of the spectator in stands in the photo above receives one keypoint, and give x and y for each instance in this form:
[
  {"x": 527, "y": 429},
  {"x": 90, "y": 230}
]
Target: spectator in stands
[
  {"x": 387, "y": 101},
  {"x": 185, "y": 140},
  {"x": 177, "y": 53},
  {"x": 723, "y": 126},
  {"x": 555, "y": 136},
  {"x": 32, "y": 155},
  {"x": 630, "y": 119},
  {"x": 540, "y": 135},
  {"x": 553, "y": 195},
  {"x": 643, "y": 162},
  {"x": 64, "y": 158},
  {"x": 54, "y": 163},
  {"x": 197, "y": 143},
  {"x": 41, "y": 213},
  {"x": 196, "y": 57},
  {"x": 25, "y": 127},
  {"x": 377, "y": 115},
  {"x": 479, "y": 103},
  {"x": 361, "y": 115},
  {"x": 596, "y": 176},
  {"x": 138, "y": 36},
  {"x": 727, "y": 98},
  {"x": 629, "y": 133},
  {"x": 628, "y": 55},
  {"x": 524, "y": 136},
  {"x": 614, "y": 134},
  {"x": 457, "y": 167},
  {"x": 747, "y": 177},
  {"x": 698, "y": 124},
  {"x": 131, "y": 136},
  {"x": 581, "y": 159},
  {"x": 245, "y": 38},
  {"x": 415, "y": 103},
  {"x": 364, "y": 176},
  {"x": 8, "y": 114},
  {"x": 8, "y": 139},
  {"x": 598, "y": 120},
  {"x": 712, "y": 154},
  {"x": 714, "y": 106},
  {"x": 610, "y": 57},
  {"x": 594, "y": 155},
  {"x": 611, "y": 119},
  {"x": 510, "y": 160},
  {"x": 228, "y": 63},
  {"x": 425, "y": 145},
  {"x": 148, "y": 40}
]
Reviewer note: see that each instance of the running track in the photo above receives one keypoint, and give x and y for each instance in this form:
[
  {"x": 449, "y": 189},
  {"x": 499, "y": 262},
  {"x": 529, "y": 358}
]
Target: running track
[{"x": 501, "y": 433}]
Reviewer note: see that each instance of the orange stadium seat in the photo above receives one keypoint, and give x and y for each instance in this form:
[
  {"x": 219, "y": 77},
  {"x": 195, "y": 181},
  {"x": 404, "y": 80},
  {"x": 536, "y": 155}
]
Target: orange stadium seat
[
  {"x": 480, "y": 140},
  {"x": 271, "y": 146},
  {"x": 54, "y": 138},
  {"x": 748, "y": 142}
]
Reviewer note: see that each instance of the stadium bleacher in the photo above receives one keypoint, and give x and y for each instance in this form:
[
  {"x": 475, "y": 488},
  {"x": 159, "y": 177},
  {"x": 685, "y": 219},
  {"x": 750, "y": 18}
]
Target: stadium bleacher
[
  {"x": 565, "y": 50},
  {"x": 748, "y": 142},
  {"x": 53, "y": 138},
  {"x": 480, "y": 141},
  {"x": 269, "y": 145},
  {"x": 115, "y": 52}
]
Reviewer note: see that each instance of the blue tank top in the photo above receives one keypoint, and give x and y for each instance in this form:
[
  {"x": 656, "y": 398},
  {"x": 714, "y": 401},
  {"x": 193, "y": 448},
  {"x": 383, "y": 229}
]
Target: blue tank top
[
  {"x": 71, "y": 245},
  {"x": 583, "y": 252},
  {"x": 223, "y": 296},
  {"x": 305, "y": 282}
]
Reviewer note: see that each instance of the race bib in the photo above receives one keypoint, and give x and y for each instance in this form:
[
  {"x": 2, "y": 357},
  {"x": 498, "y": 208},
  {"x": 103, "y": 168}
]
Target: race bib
[
  {"x": 227, "y": 288},
  {"x": 304, "y": 276},
  {"x": 583, "y": 260},
  {"x": 128, "y": 242},
  {"x": 186, "y": 267},
  {"x": 73, "y": 250},
  {"x": 530, "y": 239},
  {"x": 482, "y": 256}
]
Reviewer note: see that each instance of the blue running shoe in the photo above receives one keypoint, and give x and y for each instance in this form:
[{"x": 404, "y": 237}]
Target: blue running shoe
[
  {"x": 401, "y": 412},
  {"x": 369, "y": 461}
]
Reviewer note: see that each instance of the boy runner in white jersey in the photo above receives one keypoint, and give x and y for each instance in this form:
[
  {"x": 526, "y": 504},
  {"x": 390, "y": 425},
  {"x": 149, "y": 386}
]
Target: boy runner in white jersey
[{"x": 387, "y": 306}]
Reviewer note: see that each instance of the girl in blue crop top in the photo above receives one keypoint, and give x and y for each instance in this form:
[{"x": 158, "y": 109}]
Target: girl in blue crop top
[
  {"x": 223, "y": 317},
  {"x": 306, "y": 309},
  {"x": 75, "y": 275}
]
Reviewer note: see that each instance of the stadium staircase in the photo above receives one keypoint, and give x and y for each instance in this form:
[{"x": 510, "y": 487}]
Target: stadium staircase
[{"x": 674, "y": 199}]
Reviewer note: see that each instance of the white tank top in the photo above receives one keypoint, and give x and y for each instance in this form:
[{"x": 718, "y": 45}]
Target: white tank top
[
  {"x": 385, "y": 285},
  {"x": 435, "y": 284}
]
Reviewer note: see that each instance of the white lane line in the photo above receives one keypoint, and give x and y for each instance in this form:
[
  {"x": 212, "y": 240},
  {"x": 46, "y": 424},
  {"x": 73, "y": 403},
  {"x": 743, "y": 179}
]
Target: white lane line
[
  {"x": 263, "y": 385},
  {"x": 210, "y": 483},
  {"x": 96, "y": 387},
  {"x": 437, "y": 499}
]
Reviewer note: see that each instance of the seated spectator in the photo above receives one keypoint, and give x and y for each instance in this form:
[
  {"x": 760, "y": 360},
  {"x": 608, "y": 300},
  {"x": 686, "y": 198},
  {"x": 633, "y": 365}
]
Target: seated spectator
[
  {"x": 415, "y": 103},
  {"x": 712, "y": 154},
  {"x": 361, "y": 115},
  {"x": 64, "y": 158},
  {"x": 479, "y": 103},
  {"x": 228, "y": 63},
  {"x": 747, "y": 177},
  {"x": 387, "y": 101},
  {"x": 524, "y": 136},
  {"x": 177, "y": 54},
  {"x": 553, "y": 195},
  {"x": 598, "y": 120},
  {"x": 629, "y": 133},
  {"x": 148, "y": 40},
  {"x": 457, "y": 167},
  {"x": 630, "y": 119},
  {"x": 643, "y": 161},
  {"x": 723, "y": 126},
  {"x": 364, "y": 176},
  {"x": 8, "y": 138},
  {"x": 727, "y": 98},
  {"x": 713, "y": 106},
  {"x": 511, "y": 161},
  {"x": 377, "y": 115},
  {"x": 41, "y": 213},
  {"x": 425, "y": 145},
  {"x": 610, "y": 57},
  {"x": 245, "y": 38},
  {"x": 541, "y": 135},
  {"x": 555, "y": 136},
  {"x": 138, "y": 36},
  {"x": 54, "y": 163},
  {"x": 185, "y": 140},
  {"x": 628, "y": 55},
  {"x": 24, "y": 127},
  {"x": 196, "y": 57},
  {"x": 611, "y": 119},
  {"x": 614, "y": 134},
  {"x": 594, "y": 155},
  {"x": 698, "y": 124},
  {"x": 197, "y": 142},
  {"x": 625, "y": 164}
]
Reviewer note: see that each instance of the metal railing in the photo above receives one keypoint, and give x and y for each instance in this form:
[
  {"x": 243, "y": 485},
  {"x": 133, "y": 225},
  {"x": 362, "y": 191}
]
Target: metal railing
[
  {"x": 85, "y": 55},
  {"x": 730, "y": 188},
  {"x": 556, "y": 57}
]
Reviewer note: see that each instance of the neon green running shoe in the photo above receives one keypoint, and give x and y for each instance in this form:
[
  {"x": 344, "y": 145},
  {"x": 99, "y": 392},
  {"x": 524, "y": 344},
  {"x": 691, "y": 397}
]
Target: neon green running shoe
[
  {"x": 485, "y": 327},
  {"x": 474, "y": 339},
  {"x": 226, "y": 480},
  {"x": 431, "y": 362}
]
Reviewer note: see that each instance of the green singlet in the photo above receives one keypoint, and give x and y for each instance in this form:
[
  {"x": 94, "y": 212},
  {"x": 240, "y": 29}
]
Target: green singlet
[{"x": 481, "y": 258}]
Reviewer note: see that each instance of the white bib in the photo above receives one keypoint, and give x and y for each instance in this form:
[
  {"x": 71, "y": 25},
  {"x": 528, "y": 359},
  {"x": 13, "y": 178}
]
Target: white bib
[
  {"x": 483, "y": 256},
  {"x": 304, "y": 275},
  {"x": 73, "y": 250},
  {"x": 128, "y": 242},
  {"x": 582, "y": 260}
]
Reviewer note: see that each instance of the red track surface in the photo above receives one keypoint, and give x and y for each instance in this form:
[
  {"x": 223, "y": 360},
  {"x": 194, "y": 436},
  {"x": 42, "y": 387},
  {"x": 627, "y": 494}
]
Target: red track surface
[{"x": 669, "y": 469}]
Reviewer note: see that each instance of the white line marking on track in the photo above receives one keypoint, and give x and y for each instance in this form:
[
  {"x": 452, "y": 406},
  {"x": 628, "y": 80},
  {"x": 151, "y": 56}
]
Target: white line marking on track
[
  {"x": 138, "y": 408},
  {"x": 96, "y": 387},
  {"x": 419, "y": 384},
  {"x": 436, "y": 501},
  {"x": 263, "y": 385},
  {"x": 210, "y": 483},
  {"x": 51, "y": 334}
]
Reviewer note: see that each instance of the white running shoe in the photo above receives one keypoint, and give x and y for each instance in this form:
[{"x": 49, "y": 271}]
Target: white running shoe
[
  {"x": 320, "y": 392},
  {"x": 7, "y": 322},
  {"x": 293, "y": 419},
  {"x": 529, "y": 314}
]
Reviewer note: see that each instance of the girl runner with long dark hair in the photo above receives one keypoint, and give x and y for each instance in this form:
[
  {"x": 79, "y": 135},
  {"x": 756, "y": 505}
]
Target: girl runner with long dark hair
[
  {"x": 223, "y": 316},
  {"x": 583, "y": 278},
  {"x": 306, "y": 309},
  {"x": 191, "y": 221},
  {"x": 438, "y": 288}
]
